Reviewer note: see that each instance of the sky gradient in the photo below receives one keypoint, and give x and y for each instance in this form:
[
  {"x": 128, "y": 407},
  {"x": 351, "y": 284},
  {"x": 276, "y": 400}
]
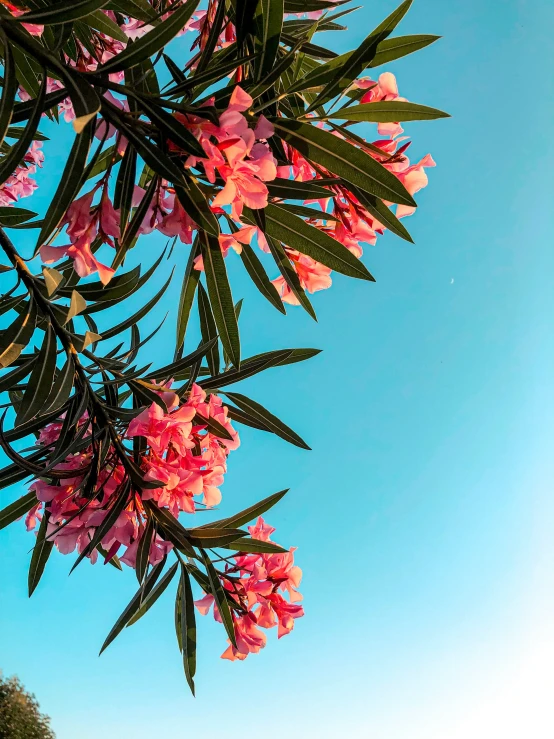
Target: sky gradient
[{"x": 423, "y": 516}]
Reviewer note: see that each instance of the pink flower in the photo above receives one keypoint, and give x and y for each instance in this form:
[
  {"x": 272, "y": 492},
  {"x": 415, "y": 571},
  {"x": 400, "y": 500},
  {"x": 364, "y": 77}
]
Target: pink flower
[{"x": 313, "y": 276}]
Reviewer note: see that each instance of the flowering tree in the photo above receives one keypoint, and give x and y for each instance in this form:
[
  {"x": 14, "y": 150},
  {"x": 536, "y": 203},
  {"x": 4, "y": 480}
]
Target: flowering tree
[{"x": 247, "y": 146}]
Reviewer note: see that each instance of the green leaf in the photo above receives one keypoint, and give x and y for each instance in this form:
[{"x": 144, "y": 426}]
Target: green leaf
[
  {"x": 100, "y": 532},
  {"x": 387, "y": 111},
  {"x": 267, "y": 419},
  {"x": 210, "y": 537},
  {"x": 187, "y": 627},
  {"x": 68, "y": 187},
  {"x": 249, "y": 514},
  {"x": 61, "y": 389},
  {"x": 289, "y": 275},
  {"x": 9, "y": 88},
  {"x": 270, "y": 19},
  {"x": 310, "y": 213},
  {"x": 132, "y": 320},
  {"x": 148, "y": 602},
  {"x": 134, "y": 604},
  {"x": 294, "y": 190},
  {"x": 208, "y": 329},
  {"x": 103, "y": 23},
  {"x": 172, "y": 128},
  {"x": 382, "y": 213},
  {"x": 259, "y": 277},
  {"x": 255, "y": 546},
  {"x": 61, "y": 12},
  {"x": 15, "y": 155},
  {"x": 14, "y": 216},
  {"x": 27, "y": 73},
  {"x": 153, "y": 156},
  {"x": 16, "y": 337},
  {"x": 41, "y": 380},
  {"x": 343, "y": 159},
  {"x": 395, "y": 48},
  {"x": 195, "y": 204},
  {"x": 140, "y": 9},
  {"x": 19, "y": 508},
  {"x": 143, "y": 550},
  {"x": 139, "y": 215},
  {"x": 41, "y": 552},
  {"x": 221, "y": 299},
  {"x": 179, "y": 365},
  {"x": 213, "y": 426},
  {"x": 210, "y": 42},
  {"x": 188, "y": 289},
  {"x": 218, "y": 593},
  {"x": 292, "y": 356},
  {"x": 360, "y": 58},
  {"x": 172, "y": 530},
  {"x": 152, "y": 42},
  {"x": 247, "y": 369},
  {"x": 307, "y": 239}
]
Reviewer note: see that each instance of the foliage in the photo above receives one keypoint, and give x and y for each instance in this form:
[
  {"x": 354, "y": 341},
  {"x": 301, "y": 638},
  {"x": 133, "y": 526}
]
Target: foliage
[
  {"x": 20, "y": 717},
  {"x": 246, "y": 146}
]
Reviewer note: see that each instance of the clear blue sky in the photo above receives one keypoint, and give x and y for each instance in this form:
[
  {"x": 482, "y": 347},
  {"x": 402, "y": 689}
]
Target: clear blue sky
[{"x": 424, "y": 516}]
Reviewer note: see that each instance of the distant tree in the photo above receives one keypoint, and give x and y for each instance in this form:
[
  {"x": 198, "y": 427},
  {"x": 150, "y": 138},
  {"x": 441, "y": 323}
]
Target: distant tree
[{"x": 20, "y": 716}]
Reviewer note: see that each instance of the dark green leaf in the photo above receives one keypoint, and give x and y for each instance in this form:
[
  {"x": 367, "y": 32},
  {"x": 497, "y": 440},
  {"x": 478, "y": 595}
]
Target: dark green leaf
[
  {"x": 148, "y": 602},
  {"x": 395, "y": 48},
  {"x": 247, "y": 369},
  {"x": 363, "y": 55},
  {"x": 41, "y": 552},
  {"x": 103, "y": 23},
  {"x": 344, "y": 160},
  {"x": 171, "y": 529},
  {"x": 256, "y": 546},
  {"x": 143, "y": 550},
  {"x": 153, "y": 41},
  {"x": 41, "y": 380},
  {"x": 134, "y": 604},
  {"x": 249, "y": 514},
  {"x": 190, "y": 281},
  {"x": 382, "y": 213},
  {"x": 60, "y": 12},
  {"x": 214, "y": 537},
  {"x": 213, "y": 426},
  {"x": 19, "y": 508},
  {"x": 289, "y": 275},
  {"x": 208, "y": 329},
  {"x": 218, "y": 593},
  {"x": 16, "y": 337},
  {"x": 9, "y": 88},
  {"x": 132, "y": 320},
  {"x": 387, "y": 111},
  {"x": 14, "y": 216},
  {"x": 68, "y": 187},
  {"x": 17, "y": 152},
  {"x": 301, "y": 236},
  {"x": 270, "y": 21},
  {"x": 259, "y": 277},
  {"x": 221, "y": 299},
  {"x": 187, "y": 627},
  {"x": 295, "y": 190},
  {"x": 267, "y": 419},
  {"x": 172, "y": 128},
  {"x": 195, "y": 204}
]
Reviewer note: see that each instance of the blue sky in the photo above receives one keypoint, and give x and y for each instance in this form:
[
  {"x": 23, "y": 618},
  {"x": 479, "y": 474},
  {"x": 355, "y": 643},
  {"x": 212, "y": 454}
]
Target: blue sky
[{"x": 423, "y": 517}]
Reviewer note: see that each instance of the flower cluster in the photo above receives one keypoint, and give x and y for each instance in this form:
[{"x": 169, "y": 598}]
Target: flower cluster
[
  {"x": 180, "y": 452},
  {"x": 21, "y": 184},
  {"x": 257, "y": 584}
]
